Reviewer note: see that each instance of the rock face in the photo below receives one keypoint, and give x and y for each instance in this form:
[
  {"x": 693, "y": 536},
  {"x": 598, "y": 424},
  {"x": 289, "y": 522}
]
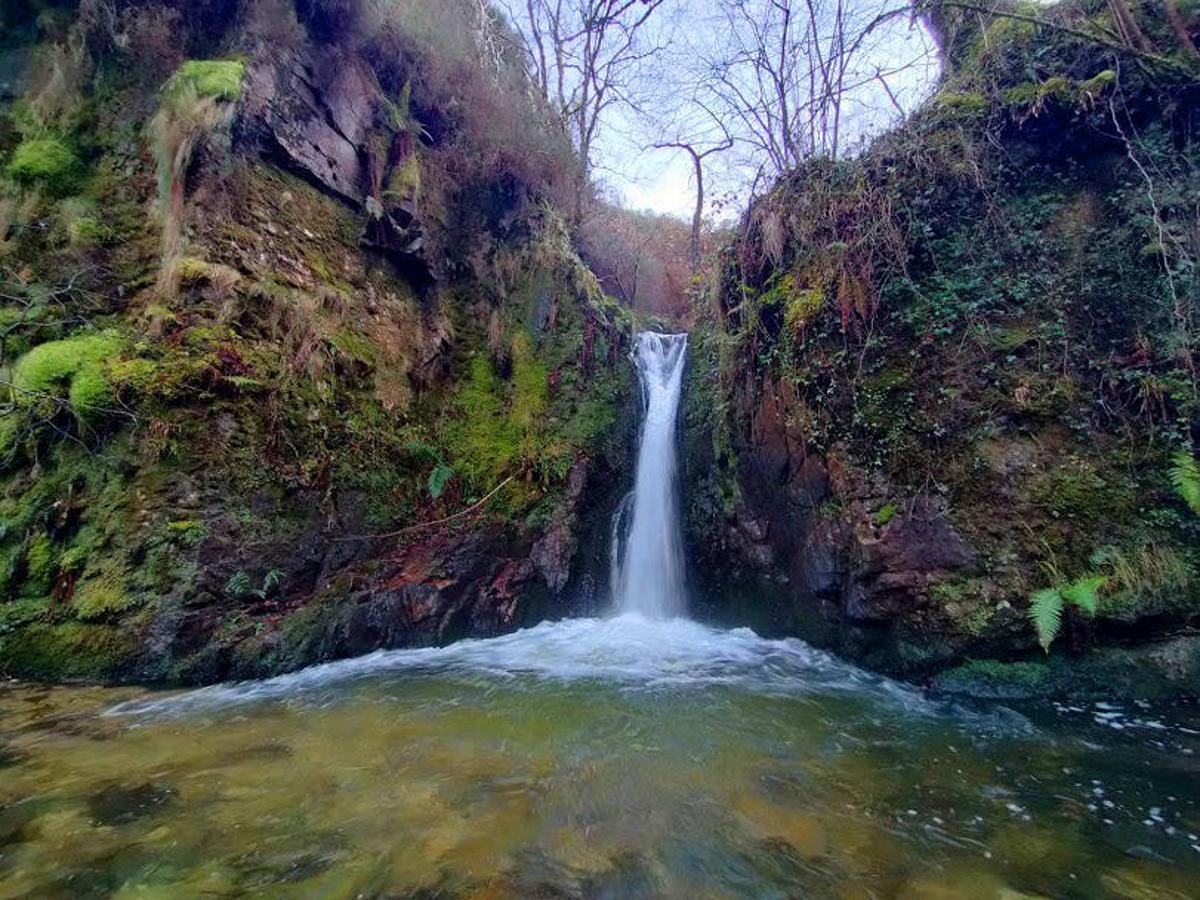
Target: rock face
[
  {"x": 313, "y": 112},
  {"x": 805, "y": 549},
  {"x": 321, "y": 114},
  {"x": 371, "y": 397}
]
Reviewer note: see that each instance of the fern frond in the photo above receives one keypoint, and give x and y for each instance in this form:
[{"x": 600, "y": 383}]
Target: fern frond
[
  {"x": 1045, "y": 611},
  {"x": 438, "y": 477},
  {"x": 1185, "y": 478},
  {"x": 1084, "y": 592}
]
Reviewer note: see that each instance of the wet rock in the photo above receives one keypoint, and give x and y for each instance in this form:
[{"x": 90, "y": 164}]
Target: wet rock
[
  {"x": 553, "y": 552},
  {"x": 311, "y": 113},
  {"x": 890, "y": 573}
]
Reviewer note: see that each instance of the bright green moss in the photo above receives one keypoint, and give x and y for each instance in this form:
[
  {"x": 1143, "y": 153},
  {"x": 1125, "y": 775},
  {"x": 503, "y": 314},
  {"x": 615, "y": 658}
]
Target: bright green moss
[
  {"x": 219, "y": 78},
  {"x": 484, "y": 438},
  {"x": 190, "y": 270},
  {"x": 529, "y": 383},
  {"x": 40, "y": 565},
  {"x": 101, "y": 598},
  {"x": 86, "y": 232},
  {"x": 77, "y": 364},
  {"x": 91, "y": 395},
  {"x": 46, "y": 162},
  {"x": 405, "y": 180},
  {"x": 802, "y": 307},
  {"x": 1098, "y": 83}
]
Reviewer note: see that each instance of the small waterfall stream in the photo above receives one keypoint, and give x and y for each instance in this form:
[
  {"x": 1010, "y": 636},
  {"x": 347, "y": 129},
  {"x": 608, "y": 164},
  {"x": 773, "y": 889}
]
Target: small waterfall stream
[{"x": 647, "y": 555}]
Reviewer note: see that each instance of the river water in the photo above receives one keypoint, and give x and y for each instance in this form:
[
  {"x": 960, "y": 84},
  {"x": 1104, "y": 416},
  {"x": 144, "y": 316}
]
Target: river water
[
  {"x": 641, "y": 755},
  {"x": 621, "y": 757}
]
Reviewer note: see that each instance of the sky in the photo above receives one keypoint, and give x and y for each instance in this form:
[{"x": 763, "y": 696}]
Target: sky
[{"x": 662, "y": 180}]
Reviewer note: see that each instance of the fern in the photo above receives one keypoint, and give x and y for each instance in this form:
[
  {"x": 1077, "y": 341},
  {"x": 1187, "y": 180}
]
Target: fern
[
  {"x": 1046, "y": 606},
  {"x": 1185, "y": 478},
  {"x": 270, "y": 582},
  {"x": 238, "y": 585},
  {"x": 1084, "y": 593},
  {"x": 1045, "y": 610},
  {"x": 438, "y": 478}
]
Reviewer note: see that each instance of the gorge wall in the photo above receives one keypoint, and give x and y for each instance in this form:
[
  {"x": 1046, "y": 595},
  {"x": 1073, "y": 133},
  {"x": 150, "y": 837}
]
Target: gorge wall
[
  {"x": 280, "y": 278},
  {"x": 953, "y": 376}
]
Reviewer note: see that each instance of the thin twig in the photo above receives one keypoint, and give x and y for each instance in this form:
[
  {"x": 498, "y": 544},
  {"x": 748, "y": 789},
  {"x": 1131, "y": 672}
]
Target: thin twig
[{"x": 408, "y": 528}]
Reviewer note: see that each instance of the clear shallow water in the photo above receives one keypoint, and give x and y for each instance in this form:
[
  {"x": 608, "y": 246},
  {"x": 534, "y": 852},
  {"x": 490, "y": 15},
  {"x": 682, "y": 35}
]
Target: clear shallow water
[{"x": 590, "y": 758}]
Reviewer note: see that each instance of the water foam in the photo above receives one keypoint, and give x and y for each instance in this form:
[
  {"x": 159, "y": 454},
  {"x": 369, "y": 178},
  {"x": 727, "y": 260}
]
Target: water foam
[{"x": 629, "y": 652}]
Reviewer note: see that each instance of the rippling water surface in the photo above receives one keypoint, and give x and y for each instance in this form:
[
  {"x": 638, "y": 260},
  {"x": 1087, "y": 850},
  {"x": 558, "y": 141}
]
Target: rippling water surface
[{"x": 591, "y": 758}]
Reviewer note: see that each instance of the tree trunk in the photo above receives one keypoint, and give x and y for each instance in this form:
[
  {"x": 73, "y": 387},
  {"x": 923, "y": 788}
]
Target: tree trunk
[
  {"x": 1127, "y": 26},
  {"x": 1180, "y": 28},
  {"x": 694, "y": 246}
]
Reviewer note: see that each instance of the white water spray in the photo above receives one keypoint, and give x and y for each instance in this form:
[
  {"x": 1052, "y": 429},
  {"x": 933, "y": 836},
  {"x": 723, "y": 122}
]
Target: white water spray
[{"x": 648, "y": 563}]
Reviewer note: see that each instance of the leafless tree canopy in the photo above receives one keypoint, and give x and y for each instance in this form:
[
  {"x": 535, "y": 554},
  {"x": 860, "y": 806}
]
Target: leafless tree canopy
[{"x": 586, "y": 58}]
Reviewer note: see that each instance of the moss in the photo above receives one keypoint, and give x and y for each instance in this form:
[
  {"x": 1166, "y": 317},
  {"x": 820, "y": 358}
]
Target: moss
[
  {"x": 11, "y": 423},
  {"x": 190, "y": 271},
  {"x": 1056, "y": 87},
  {"x": 960, "y": 104},
  {"x": 217, "y": 78},
  {"x": 67, "y": 650},
  {"x": 1079, "y": 491},
  {"x": 74, "y": 559},
  {"x": 988, "y": 678},
  {"x": 405, "y": 181},
  {"x": 78, "y": 363},
  {"x": 1098, "y": 83},
  {"x": 354, "y": 346},
  {"x": 41, "y": 563},
  {"x": 46, "y": 162},
  {"x": 100, "y": 598},
  {"x": 484, "y": 439},
  {"x": 91, "y": 395},
  {"x": 968, "y": 602},
  {"x": 86, "y": 232},
  {"x": 802, "y": 306}
]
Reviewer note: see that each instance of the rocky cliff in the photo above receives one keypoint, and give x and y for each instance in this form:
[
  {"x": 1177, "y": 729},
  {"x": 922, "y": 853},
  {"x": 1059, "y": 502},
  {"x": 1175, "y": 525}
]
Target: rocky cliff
[
  {"x": 939, "y": 395},
  {"x": 300, "y": 361}
]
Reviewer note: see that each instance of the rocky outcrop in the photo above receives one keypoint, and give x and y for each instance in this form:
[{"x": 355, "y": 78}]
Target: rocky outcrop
[
  {"x": 342, "y": 592},
  {"x": 320, "y": 113},
  {"x": 314, "y": 112},
  {"x": 818, "y": 547}
]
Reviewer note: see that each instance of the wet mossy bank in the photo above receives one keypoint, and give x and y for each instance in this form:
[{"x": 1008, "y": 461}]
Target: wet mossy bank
[
  {"x": 301, "y": 361},
  {"x": 941, "y": 406}
]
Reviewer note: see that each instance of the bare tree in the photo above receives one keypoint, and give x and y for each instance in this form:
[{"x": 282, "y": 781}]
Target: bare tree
[
  {"x": 585, "y": 57},
  {"x": 698, "y": 153},
  {"x": 783, "y": 71}
]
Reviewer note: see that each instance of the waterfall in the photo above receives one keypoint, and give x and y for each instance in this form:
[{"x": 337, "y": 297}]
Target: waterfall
[{"x": 647, "y": 549}]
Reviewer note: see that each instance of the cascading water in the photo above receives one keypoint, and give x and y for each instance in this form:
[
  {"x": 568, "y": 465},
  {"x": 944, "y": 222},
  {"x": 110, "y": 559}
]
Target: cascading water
[{"x": 648, "y": 550}]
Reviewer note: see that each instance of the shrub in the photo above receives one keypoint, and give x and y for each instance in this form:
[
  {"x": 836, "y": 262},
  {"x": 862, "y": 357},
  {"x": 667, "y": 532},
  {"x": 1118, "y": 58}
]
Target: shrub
[{"x": 47, "y": 162}]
